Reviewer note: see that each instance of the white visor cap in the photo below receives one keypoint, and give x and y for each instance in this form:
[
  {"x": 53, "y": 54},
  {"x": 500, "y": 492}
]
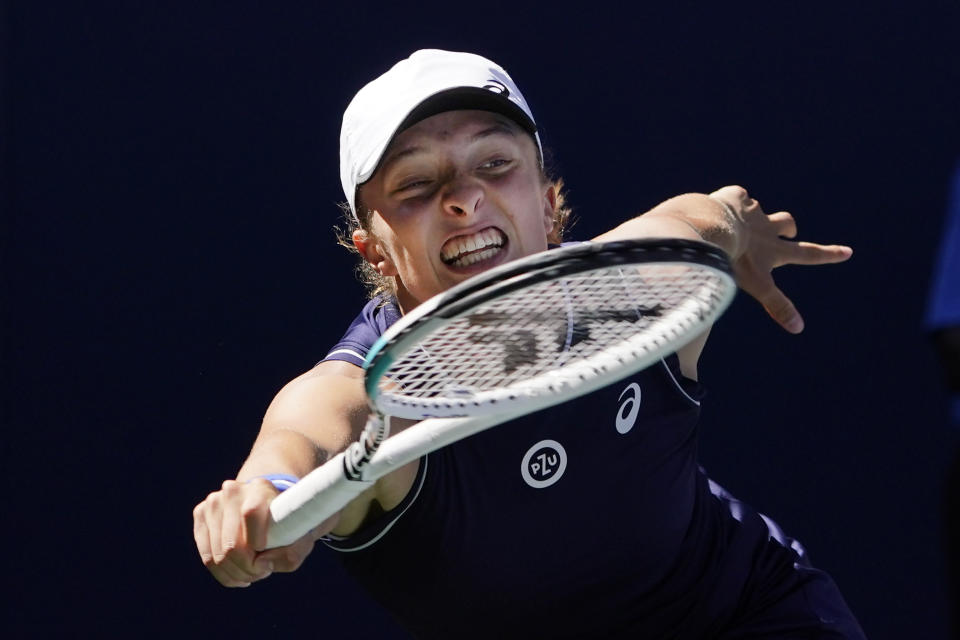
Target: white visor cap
[{"x": 429, "y": 82}]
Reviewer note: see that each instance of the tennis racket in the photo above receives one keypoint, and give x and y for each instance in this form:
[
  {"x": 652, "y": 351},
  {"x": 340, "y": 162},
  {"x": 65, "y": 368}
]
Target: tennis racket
[{"x": 518, "y": 338}]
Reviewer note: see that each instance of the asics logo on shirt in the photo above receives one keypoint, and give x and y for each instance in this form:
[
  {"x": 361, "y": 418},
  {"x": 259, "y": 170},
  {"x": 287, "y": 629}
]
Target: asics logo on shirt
[{"x": 629, "y": 408}]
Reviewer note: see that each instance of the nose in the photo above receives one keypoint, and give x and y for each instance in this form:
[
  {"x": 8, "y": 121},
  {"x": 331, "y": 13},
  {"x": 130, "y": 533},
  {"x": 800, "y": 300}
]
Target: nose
[{"x": 462, "y": 197}]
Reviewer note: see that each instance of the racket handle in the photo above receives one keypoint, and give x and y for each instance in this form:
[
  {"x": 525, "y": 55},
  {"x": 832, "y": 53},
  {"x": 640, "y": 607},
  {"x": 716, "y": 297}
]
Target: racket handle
[{"x": 318, "y": 495}]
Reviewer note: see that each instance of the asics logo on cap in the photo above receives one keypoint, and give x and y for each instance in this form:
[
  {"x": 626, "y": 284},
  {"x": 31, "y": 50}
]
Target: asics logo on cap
[{"x": 497, "y": 87}]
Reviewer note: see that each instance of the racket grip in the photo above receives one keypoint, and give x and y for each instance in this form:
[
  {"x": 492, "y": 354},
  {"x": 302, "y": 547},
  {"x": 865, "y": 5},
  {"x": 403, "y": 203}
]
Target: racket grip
[{"x": 316, "y": 497}]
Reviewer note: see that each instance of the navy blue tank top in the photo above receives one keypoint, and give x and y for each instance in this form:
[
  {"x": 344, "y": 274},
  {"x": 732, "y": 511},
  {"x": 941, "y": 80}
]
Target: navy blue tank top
[{"x": 589, "y": 519}]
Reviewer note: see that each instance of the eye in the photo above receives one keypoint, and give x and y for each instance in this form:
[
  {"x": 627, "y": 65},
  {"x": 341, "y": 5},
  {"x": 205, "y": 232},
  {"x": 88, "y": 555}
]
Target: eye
[
  {"x": 496, "y": 163},
  {"x": 412, "y": 185}
]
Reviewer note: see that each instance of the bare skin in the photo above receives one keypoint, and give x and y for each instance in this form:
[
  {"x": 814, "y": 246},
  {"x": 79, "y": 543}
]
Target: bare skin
[{"x": 456, "y": 194}]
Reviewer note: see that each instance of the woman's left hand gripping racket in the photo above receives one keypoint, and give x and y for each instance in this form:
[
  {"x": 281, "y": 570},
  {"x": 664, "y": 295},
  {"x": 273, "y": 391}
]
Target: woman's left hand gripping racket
[{"x": 513, "y": 340}]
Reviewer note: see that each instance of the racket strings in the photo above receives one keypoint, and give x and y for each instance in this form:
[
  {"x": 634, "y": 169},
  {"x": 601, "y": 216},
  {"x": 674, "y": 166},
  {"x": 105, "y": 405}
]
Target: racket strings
[{"x": 544, "y": 338}]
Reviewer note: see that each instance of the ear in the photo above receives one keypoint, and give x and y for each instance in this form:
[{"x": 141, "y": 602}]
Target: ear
[
  {"x": 372, "y": 252},
  {"x": 549, "y": 208}
]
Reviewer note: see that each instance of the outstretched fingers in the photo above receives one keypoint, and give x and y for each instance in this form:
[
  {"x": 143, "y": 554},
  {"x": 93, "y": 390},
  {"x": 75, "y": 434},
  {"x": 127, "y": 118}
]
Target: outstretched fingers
[
  {"x": 784, "y": 224},
  {"x": 805, "y": 253},
  {"x": 779, "y": 306},
  {"x": 768, "y": 242},
  {"x": 811, "y": 253}
]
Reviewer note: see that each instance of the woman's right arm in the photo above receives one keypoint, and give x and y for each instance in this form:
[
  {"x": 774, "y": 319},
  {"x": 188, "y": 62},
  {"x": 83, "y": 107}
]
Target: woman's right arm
[{"x": 312, "y": 418}]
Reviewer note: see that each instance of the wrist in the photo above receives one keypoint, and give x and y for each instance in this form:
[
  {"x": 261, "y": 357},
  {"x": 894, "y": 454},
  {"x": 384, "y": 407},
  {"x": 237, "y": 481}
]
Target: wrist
[
  {"x": 280, "y": 481},
  {"x": 731, "y": 227}
]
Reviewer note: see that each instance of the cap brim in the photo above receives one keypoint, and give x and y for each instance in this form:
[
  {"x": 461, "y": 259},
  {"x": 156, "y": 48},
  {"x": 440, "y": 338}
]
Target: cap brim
[{"x": 462, "y": 98}]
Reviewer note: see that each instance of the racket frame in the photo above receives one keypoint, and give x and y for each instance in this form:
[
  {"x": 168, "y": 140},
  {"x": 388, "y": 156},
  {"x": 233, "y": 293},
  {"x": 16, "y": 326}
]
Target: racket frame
[{"x": 328, "y": 488}]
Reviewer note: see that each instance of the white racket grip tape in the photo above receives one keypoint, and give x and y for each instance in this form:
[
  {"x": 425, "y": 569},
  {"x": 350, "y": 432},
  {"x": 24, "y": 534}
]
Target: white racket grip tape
[{"x": 316, "y": 497}]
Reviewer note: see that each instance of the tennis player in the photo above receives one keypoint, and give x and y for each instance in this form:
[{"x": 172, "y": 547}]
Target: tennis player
[{"x": 590, "y": 519}]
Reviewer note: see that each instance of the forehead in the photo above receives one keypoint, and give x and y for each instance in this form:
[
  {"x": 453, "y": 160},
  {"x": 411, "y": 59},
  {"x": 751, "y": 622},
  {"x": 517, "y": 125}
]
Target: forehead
[{"x": 451, "y": 126}]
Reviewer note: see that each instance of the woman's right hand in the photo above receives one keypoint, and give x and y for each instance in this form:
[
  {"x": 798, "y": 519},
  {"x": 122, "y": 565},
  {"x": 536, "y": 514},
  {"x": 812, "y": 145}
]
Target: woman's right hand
[{"x": 230, "y": 529}]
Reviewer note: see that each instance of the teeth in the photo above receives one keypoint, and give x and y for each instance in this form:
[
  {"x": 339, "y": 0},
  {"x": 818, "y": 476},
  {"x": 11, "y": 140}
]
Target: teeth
[
  {"x": 469, "y": 259},
  {"x": 473, "y": 248}
]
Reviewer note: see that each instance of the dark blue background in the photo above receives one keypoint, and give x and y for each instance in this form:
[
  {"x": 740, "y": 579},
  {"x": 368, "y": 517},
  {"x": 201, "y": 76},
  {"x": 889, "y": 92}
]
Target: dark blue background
[{"x": 169, "y": 187}]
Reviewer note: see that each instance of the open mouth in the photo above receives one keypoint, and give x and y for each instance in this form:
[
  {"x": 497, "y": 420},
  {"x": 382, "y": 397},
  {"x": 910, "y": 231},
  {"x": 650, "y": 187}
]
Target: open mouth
[{"x": 464, "y": 251}]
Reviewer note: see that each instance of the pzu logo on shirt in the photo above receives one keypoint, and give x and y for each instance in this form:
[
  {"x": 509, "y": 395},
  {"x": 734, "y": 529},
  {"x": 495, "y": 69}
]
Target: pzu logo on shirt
[{"x": 543, "y": 464}]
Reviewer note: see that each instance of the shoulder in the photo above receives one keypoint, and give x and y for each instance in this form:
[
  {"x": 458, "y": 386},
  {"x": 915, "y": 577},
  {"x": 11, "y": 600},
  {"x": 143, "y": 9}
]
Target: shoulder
[{"x": 378, "y": 315}]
